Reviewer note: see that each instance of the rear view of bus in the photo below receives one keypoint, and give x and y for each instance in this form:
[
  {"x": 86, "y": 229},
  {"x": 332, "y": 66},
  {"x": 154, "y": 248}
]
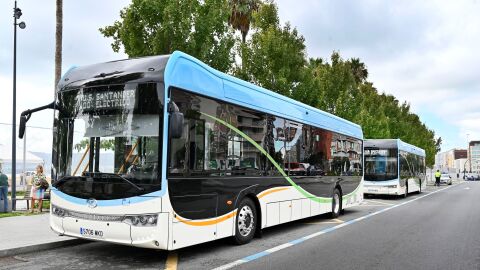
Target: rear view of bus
[{"x": 393, "y": 167}]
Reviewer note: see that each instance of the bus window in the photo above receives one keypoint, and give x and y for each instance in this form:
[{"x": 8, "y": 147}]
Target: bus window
[
  {"x": 202, "y": 149},
  {"x": 276, "y": 142},
  {"x": 244, "y": 158},
  {"x": 381, "y": 164}
]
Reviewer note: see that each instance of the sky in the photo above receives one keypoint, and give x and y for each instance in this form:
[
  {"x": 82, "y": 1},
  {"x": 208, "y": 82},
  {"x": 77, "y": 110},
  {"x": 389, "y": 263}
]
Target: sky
[{"x": 422, "y": 52}]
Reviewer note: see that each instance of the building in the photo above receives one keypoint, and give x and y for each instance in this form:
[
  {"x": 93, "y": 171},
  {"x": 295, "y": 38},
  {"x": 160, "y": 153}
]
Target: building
[
  {"x": 461, "y": 164},
  {"x": 445, "y": 161},
  {"x": 474, "y": 156}
]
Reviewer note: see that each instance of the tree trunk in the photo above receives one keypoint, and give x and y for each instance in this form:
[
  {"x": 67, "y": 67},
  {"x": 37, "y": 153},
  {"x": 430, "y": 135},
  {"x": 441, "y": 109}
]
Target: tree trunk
[{"x": 58, "y": 41}]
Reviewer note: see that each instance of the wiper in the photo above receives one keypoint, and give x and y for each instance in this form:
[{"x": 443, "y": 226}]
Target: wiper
[{"x": 120, "y": 177}]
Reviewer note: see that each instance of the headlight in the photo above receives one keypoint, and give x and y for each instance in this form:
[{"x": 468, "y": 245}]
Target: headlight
[
  {"x": 141, "y": 220},
  {"x": 57, "y": 211}
]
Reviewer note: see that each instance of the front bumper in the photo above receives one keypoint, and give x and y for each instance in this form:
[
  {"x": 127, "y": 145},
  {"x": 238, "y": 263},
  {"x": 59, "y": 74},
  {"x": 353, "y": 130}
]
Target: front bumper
[
  {"x": 382, "y": 190},
  {"x": 155, "y": 237}
]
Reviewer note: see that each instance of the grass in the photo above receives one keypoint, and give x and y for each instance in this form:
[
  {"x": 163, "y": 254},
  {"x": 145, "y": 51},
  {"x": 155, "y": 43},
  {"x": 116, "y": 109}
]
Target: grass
[
  {"x": 15, "y": 214},
  {"x": 46, "y": 207},
  {"x": 18, "y": 194}
]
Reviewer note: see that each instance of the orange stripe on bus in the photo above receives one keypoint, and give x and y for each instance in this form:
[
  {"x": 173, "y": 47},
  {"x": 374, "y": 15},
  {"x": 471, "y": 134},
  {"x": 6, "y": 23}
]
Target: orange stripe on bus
[
  {"x": 271, "y": 191},
  {"x": 206, "y": 222}
]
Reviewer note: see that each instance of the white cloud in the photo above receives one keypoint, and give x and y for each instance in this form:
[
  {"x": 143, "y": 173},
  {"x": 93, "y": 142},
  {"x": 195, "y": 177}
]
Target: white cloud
[
  {"x": 82, "y": 44},
  {"x": 423, "y": 52}
]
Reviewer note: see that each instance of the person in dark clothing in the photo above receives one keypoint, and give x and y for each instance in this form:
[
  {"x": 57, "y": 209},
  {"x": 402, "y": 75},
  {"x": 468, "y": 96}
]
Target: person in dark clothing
[{"x": 4, "y": 190}]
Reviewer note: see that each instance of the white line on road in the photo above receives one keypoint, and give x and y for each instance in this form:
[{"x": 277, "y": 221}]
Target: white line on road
[
  {"x": 313, "y": 235},
  {"x": 380, "y": 202}
]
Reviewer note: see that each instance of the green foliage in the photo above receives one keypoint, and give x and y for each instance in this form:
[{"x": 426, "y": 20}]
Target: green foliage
[
  {"x": 242, "y": 14},
  {"x": 199, "y": 28},
  {"x": 104, "y": 144},
  {"x": 274, "y": 57}
]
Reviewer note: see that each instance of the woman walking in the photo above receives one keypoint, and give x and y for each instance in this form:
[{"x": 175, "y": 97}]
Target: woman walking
[{"x": 39, "y": 184}]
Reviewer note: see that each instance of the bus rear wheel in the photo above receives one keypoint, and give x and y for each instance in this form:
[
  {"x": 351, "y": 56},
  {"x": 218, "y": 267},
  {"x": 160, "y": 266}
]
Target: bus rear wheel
[
  {"x": 246, "y": 222},
  {"x": 336, "y": 203}
]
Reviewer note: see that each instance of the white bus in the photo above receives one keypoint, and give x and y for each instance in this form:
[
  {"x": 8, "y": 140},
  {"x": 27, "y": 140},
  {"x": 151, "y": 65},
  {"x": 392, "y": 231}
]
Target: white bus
[
  {"x": 393, "y": 167},
  {"x": 165, "y": 152}
]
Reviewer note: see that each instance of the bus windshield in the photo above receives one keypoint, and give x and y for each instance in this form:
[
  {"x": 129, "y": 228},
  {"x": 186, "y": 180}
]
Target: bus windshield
[
  {"x": 381, "y": 164},
  {"x": 106, "y": 144}
]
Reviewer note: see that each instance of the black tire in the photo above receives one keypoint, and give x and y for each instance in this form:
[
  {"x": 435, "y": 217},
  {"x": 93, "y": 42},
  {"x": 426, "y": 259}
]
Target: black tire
[
  {"x": 336, "y": 203},
  {"x": 246, "y": 222}
]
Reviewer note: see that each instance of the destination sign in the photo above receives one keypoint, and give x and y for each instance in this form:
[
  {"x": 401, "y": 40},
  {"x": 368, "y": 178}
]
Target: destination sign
[
  {"x": 118, "y": 99},
  {"x": 376, "y": 152}
]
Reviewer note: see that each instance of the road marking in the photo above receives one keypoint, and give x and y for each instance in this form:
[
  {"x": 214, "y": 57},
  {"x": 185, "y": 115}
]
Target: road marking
[
  {"x": 172, "y": 261},
  {"x": 331, "y": 221},
  {"x": 324, "y": 231},
  {"x": 380, "y": 202},
  {"x": 368, "y": 205}
]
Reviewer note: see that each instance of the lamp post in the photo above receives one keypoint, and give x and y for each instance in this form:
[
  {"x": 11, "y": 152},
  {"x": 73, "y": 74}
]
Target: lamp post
[{"x": 17, "y": 13}]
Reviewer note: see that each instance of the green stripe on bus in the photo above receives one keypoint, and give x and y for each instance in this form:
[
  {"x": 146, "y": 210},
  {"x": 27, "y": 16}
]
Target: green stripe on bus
[{"x": 280, "y": 170}]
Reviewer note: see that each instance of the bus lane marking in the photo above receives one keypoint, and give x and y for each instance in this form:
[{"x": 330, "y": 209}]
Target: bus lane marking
[
  {"x": 331, "y": 221},
  {"x": 319, "y": 233},
  {"x": 172, "y": 261}
]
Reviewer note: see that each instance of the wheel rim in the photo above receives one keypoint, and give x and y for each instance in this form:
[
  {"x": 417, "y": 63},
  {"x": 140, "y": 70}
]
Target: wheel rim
[
  {"x": 336, "y": 201},
  {"x": 245, "y": 220}
]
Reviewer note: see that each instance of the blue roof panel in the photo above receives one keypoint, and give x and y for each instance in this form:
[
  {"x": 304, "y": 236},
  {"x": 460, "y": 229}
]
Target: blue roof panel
[
  {"x": 186, "y": 72},
  {"x": 401, "y": 145}
]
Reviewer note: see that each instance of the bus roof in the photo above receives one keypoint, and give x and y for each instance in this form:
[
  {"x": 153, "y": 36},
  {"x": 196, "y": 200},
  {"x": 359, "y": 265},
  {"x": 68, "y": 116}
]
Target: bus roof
[
  {"x": 205, "y": 80},
  {"x": 186, "y": 72},
  {"x": 394, "y": 143}
]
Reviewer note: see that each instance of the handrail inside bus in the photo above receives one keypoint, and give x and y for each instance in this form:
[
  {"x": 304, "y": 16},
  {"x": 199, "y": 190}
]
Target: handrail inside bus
[
  {"x": 128, "y": 157},
  {"x": 81, "y": 160}
]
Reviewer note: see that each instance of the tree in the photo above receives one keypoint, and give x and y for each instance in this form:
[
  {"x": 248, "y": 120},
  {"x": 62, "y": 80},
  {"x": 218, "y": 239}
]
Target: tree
[
  {"x": 274, "y": 58},
  {"x": 199, "y": 28},
  {"x": 359, "y": 70},
  {"x": 241, "y": 15},
  {"x": 58, "y": 40}
]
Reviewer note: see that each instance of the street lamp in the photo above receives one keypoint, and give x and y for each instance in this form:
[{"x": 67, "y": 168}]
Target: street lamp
[{"x": 17, "y": 13}]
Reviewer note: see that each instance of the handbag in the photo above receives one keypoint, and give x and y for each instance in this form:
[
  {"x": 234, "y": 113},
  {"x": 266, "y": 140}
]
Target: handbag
[{"x": 44, "y": 184}]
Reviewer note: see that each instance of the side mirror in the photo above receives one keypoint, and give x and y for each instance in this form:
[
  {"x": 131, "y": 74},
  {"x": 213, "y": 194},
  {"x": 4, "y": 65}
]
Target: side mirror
[
  {"x": 23, "y": 123},
  {"x": 176, "y": 125}
]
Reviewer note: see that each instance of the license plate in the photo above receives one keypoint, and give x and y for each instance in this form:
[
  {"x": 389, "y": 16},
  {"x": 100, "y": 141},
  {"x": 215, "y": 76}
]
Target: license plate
[{"x": 91, "y": 232}]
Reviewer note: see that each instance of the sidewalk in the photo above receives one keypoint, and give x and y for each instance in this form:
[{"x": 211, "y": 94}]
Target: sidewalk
[{"x": 22, "y": 234}]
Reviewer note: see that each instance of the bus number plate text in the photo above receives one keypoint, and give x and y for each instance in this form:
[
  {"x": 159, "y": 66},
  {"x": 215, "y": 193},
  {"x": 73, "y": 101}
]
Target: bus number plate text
[{"x": 90, "y": 232}]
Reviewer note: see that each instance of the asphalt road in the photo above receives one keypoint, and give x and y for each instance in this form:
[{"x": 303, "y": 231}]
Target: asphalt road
[{"x": 438, "y": 229}]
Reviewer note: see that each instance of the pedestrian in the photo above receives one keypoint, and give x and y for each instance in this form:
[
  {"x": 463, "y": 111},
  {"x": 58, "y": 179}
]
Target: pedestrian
[
  {"x": 4, "y": 190},
  {"x": 39, "y": 185},
  {"x": 437, "y": 178}
]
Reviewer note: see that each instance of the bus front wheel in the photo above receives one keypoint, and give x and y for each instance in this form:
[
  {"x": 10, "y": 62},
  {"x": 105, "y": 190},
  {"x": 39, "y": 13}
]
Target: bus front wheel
[
  {"x": 336, "y": 203},
  {"x": 246, "y": 222}
]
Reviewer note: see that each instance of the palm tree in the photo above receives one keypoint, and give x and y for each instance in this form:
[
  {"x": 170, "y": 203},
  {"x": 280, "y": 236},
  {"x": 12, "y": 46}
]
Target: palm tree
[
  {"x": 241, "y": 15},
  {"x": 359, "y": 70},
  {"x": 58, "y": 41}
]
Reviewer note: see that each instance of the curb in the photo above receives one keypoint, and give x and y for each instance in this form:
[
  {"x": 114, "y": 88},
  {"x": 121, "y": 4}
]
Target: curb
[{"x": 41, "y": 247}]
